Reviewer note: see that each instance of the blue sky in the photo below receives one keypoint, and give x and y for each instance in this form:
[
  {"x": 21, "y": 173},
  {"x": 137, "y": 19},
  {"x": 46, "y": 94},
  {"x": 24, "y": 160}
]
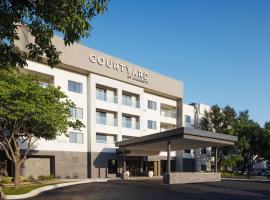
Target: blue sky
[{"x": 219, "y": 49}]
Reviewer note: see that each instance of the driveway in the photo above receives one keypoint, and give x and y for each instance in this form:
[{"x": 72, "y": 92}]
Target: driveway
[{"x": 131, "y": 190}]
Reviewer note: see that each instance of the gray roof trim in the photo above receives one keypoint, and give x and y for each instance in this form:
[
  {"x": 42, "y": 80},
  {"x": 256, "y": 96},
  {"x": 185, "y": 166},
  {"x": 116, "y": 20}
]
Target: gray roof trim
[{"x": 176, "y": 134}]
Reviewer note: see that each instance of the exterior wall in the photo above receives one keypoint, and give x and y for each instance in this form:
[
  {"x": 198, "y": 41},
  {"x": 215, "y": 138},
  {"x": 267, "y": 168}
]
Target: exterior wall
[
  {"x": 83, "y": 59},
  {"x": 59, "y": 152},
  {"x": 99, "y": 163},
  {"x": 195, "y": 112},
  {"x": 36, "y": 167},
  {"x": 60, "y": 78},
  {"x": 91, "y": 68},
  {"x": 62, "y": 164},
  {"x": 183, "y": 178}
]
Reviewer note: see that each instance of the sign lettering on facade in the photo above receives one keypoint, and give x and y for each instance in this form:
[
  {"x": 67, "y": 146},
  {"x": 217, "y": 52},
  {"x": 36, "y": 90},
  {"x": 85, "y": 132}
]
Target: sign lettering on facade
[{"x": 132, "y": 72}]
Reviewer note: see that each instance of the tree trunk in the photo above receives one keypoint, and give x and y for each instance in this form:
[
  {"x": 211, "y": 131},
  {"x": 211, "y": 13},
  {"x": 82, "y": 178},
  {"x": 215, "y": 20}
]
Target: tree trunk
[{"x": 17, "y": 175}]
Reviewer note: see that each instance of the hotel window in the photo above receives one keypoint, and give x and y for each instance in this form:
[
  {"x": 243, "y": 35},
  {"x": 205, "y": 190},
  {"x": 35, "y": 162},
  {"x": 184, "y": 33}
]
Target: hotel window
[
  {"x": 187, "y": 119},
  {"x": 203, "y": 150},
  {"x": 126, "y": 137},
  {"x": 74, "y": 86},
  {"x": 112, "y": 166},
  {"x": 203, "y": 168},
  {"x": 126, "y": 121},
  {"x": 100, "y": 138},
  {"x": 152, "y": 105},
  {"x": 127, "y": 100},
  {"x": 187, "y": 151},
  {"x": 76, "y": 112},
  {"x": 43, "y": 84},
  {"x": 151, "y": 124},
  {"x": 101, "y": 117},
  {"x": 105, "y": 139},
  {"x": 75, "y": 137},
  {"x": 101, "y": 94}
]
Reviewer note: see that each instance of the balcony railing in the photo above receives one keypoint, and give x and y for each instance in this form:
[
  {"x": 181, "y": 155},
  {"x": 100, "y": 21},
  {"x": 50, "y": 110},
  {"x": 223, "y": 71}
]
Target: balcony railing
[
  {"x": 134, "y": 104},
  {"x": 105, "y": 121},
  {"x": 103, "y": 97},
  {"x": 168, "y": 113},
  {"x": 129, "y": 124}
]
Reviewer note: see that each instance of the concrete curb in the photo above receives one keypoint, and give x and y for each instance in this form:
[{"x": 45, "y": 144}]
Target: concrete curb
[
  {"x": 2, "y": 195},
  {"x": 248, "y": 180},
  {"x": 51, "y": 187}
]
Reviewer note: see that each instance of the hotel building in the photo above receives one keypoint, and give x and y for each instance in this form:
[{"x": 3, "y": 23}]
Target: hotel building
[{"x": 116, "y": 100}]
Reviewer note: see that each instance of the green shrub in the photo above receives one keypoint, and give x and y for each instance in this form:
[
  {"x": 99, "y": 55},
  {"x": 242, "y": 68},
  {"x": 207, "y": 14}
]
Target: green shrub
[
  {"x": 6, "y": 180},
  {"x": 44, "y": 178},
  {"x": 30, "y": 178},
  {"x": 23, "y": 179}
]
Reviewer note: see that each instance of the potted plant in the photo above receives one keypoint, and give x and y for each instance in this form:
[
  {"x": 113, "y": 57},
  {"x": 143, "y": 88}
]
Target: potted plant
[{"x": 150, "y": 173}]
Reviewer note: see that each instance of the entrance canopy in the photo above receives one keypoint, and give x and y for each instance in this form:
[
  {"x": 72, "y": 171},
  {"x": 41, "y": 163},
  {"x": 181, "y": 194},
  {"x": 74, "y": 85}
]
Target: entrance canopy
[{"x": 179, "y": 138}]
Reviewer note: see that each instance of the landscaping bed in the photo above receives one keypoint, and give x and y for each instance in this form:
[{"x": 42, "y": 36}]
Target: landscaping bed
[{"x": 28, "y": 184}]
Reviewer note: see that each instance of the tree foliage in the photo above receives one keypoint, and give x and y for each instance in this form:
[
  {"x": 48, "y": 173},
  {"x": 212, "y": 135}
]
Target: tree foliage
[
  {"x": 220, "y": 120},
  {"x": 253, "y": 141},
  {"x": 42, "y": 18},
  {"x": 29, "y": 112},
  {"x": 253, "y": 144}
]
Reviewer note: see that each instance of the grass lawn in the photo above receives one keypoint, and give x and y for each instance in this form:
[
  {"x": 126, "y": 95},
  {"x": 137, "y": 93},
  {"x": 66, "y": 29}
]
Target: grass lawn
[{"x": 26, "y": 188}]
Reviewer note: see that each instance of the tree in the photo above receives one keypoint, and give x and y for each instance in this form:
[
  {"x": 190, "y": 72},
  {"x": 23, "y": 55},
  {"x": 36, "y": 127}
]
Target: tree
[
  {"x": 267, "y": 129},
  {"x": 29, "y": 112},
  {"x": 42, "y": 18},
  {"x": 253, "y": 142},
  {"x": 220, "y": 120}
]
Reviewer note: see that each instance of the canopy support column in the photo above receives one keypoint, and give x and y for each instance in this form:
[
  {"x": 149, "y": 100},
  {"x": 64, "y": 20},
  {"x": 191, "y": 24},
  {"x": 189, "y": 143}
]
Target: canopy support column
[
  {"x": 216, "y": 159},
  {"x": 168, "y": 157},
  {"x": 124, "y": 161}
]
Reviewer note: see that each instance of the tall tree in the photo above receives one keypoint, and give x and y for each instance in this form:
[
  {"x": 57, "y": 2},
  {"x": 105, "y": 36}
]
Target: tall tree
[
  {"x": 253, "y": 142},
  {"x": 42, "y": 18},
  {"x": 267, "y": 129},
  {"x": 29, "y": 112},
  {"x": 220, "y": 120}
]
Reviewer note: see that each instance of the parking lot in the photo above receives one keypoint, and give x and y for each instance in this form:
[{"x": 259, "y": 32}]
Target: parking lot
[{"x": 154, "y": 189}]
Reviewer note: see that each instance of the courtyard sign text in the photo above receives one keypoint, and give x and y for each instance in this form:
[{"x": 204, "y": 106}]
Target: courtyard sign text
[{"x": 132, "y": 72}]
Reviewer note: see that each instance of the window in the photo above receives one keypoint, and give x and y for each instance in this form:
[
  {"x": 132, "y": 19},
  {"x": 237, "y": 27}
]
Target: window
[
  {"x": 203, "y": 168},
  {"x": 126, "y": 137},
  {"x": 151, "y": 124},
  {"x": 152, "y": 105},
  {"x": 187, "y": 151},
  {"x": 105, "y": 138},
  {"x": 74, "y": 86},
  {"x": 43, "y": 84},
  {"x": 127, "y": 121},
  {"x": 101, "y": 117},
  {"x": 100, "y": 138},
  {"x": 75, "y": 137},
  {"x": 76, "y": 112},
  {"x": 112, "y": 166},
  {"x": 101, "y": 94},
  {"x": 203, "y": 150},
  {"x": 127, "y": 100},
  {"x": 187, "y": 119}
]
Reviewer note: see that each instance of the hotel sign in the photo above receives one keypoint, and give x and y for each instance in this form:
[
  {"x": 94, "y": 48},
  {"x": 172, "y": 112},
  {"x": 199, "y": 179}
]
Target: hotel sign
[{"x": 131, "y": 72}]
